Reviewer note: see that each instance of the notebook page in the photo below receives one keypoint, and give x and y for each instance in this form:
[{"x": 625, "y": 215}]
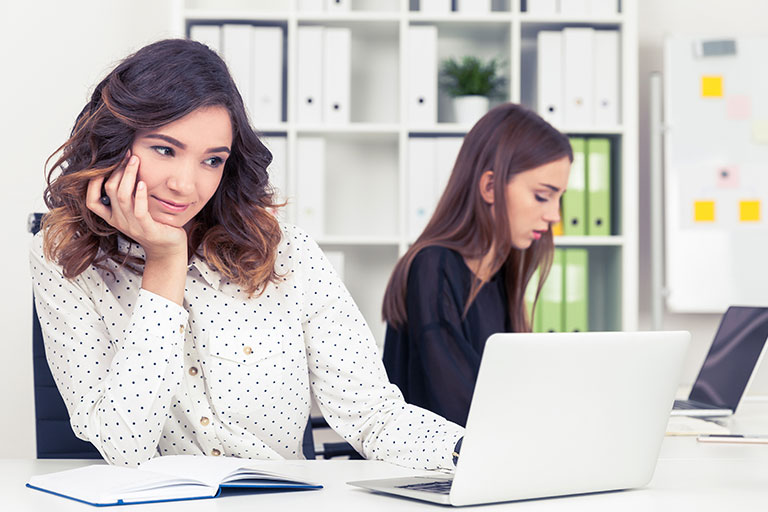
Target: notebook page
[{"x": 107, "y": 484}]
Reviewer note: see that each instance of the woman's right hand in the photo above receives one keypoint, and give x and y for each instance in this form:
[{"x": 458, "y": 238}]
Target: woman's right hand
[{"x": 127, "y": 212}]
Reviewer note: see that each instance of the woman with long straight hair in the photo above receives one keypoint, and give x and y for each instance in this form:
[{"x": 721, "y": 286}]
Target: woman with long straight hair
[
  {"x": 465, "y": 276},
  {"x": 179, "y": 316}
]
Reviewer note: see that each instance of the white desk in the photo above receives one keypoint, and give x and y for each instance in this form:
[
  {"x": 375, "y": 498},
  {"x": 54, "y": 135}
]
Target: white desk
[{"x": 689, "y": 476}]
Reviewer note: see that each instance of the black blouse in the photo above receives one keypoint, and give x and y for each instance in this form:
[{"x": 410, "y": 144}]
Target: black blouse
[{"x": 435, "y": 357}]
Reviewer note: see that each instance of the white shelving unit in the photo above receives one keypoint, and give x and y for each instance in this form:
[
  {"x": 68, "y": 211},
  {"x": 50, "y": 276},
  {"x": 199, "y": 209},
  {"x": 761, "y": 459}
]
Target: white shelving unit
[{"x": 366, "y": 160}]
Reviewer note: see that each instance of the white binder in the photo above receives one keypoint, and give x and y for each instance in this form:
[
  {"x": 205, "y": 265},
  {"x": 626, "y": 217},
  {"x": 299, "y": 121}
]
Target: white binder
[
  {"x": 209, "y": 35},
  {"x": 422, "y": 152},
  {"x": 422, "y": 75},
  {"x": 473, "y": 6},
  {"x": 237, "y": 51},
  {"x": 435, "y": 6},
  {"x": 578, "y": 77},
  {"x": 278, "y": 169},
  {"x": 549, "y": 91},
  {"x": 310, "y": 185},
  {"x": 267, "y": 76},
  {"x": 542, "y": 7},
  {"x": 447, "y": 151},
  {"x": 603, "y": 7},
  {"x": 606, "y": 45},
  {"x": 337, "y": 5},
  {"x": 575, "y": 8},
  {"x": 311, "y": 5},
  {"x": 309, "y": 104},
  {"x": 336, "y": 75}
]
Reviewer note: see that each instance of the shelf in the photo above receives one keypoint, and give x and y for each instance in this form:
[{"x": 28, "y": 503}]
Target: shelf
[
  {"x": 594, "y": 130},
  {"x": 589, "y": 241},
  {"x": 441, "y": 129},
  {"x": 349, "y": 17},
  {"x": 237, "y": 15},
  {"x": 562, "y": 21},
  {"x": 457, "y": 18},
  {"x": 350, "y": 129},
  {"x": 359, "y": 241}
]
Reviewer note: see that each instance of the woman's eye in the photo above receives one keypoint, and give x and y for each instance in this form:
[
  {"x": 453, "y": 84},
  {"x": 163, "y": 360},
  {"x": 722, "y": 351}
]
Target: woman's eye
[
  {"x": 163, "y": 150},
  {"x": 214, "y": 161},
  {"x": 540, "y": 199}
]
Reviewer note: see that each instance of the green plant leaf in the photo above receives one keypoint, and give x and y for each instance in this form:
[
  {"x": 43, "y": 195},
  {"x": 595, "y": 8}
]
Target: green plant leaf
[{"x": 471, "y": 76}]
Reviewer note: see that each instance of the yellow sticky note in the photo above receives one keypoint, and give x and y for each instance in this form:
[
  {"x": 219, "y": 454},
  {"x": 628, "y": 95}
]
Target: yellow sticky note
[
  {"x": 712, "y": 86},
  {"x": 704, "y": 211},
  {"x": 557, "y": 229},
  {"x": 749, "y": 211}
]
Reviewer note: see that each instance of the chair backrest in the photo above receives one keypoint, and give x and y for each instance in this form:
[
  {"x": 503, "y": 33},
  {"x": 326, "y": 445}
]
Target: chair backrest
[{"x": 55, "y": 439}]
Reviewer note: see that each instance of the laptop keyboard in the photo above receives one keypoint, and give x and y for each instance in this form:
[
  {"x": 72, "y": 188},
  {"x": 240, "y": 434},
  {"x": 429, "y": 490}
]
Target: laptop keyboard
[
  {"x": 437, "y": 487},
  {"x": 688, "y": 404}
]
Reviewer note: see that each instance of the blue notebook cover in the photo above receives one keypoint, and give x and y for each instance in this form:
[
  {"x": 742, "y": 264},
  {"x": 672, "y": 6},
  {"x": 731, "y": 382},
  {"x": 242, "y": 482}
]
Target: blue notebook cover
[{"x": 171, "y": 478}]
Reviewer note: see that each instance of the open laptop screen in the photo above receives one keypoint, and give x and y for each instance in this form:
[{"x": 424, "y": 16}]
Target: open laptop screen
[{"x": 731, "y": 360}]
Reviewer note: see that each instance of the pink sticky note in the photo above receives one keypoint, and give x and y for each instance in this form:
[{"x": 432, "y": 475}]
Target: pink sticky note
[
  {"x": 738, "y": 107},
  {"x": 727, "y": 176}
]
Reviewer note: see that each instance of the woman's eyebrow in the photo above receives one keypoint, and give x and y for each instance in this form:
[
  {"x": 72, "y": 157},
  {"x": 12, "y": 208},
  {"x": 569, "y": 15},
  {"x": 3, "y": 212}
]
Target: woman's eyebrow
[
  {"x": 551, "y": 187},
  {"x": 181, "y": 145}
]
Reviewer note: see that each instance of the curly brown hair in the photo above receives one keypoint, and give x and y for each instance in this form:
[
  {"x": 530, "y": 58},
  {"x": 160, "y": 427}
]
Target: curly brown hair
[{"x": 235, "y": 232}]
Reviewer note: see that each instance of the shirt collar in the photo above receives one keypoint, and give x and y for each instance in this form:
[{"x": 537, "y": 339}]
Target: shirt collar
[{"x": 209, "y": 274}]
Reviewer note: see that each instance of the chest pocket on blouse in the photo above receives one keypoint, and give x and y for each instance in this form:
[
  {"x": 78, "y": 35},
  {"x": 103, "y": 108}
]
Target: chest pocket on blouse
[{"x": 244, "y": 349}]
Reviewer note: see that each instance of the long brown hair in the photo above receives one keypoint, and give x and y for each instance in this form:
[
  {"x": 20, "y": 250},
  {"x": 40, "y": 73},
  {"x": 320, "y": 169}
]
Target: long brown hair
[
  {"x": 161, "y": 83},
  {"x": 508, "y": 140}
]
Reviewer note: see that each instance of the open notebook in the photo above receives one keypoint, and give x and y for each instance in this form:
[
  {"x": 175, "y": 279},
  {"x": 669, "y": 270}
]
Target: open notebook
[{"x": 169, "y": 478}]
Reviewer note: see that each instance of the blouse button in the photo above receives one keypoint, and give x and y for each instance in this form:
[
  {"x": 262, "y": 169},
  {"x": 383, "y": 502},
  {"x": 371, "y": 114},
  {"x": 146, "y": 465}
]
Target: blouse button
[
  {"x": 181, "y": 329},
  {"x": 248, "y": 350},
  {"x": 215, "y": 452},
  {"x": 204, "y": 421},
  {"x": 193, "y": 371}
]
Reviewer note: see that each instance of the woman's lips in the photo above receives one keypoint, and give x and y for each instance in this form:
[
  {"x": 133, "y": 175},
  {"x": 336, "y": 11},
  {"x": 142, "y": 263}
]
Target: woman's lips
[{"x": 171, "y": 206}]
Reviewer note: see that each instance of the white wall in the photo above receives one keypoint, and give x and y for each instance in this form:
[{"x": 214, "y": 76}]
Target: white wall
[
  {"x": 699, "y": 18},
  {"x": 53, "y": 53}
]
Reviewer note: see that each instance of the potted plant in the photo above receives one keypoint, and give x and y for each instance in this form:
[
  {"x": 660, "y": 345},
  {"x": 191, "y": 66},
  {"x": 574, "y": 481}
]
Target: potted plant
[{"x": 471, "y": 82}]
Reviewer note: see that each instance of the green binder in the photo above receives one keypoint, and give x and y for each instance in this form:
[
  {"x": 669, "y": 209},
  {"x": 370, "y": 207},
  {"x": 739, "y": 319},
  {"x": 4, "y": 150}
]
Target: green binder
[
  {"x": 575, "y": 198},
  {"x": 530, "y": 296},
  {"x": 576, "y": 292},
  {"x": 599, "y": 186},
  {"x": 551, "y": 299}
]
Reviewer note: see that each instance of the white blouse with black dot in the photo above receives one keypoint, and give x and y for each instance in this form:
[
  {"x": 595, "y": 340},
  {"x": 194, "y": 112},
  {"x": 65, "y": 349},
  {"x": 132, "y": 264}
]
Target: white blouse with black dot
[{"x": 225, "y": 374}]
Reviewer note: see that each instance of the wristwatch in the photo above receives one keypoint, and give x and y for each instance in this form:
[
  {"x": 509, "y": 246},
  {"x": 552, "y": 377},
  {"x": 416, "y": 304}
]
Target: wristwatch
[{"x": 456, "y": 451}]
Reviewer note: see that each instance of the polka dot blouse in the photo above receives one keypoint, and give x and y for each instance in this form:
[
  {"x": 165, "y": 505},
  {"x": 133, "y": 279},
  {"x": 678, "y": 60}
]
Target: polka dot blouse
[{"x": 225, "y": 374}]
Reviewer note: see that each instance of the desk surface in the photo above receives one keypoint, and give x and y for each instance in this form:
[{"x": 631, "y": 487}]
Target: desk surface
[{"x": 689, "y": 476}]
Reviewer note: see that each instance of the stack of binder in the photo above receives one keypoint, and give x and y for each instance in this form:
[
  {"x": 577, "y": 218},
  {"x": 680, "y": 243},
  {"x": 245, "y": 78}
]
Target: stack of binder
[
  {"x": 324, "y": 73},
  {"x": 573, "y": 7},
  {"x": 578, "y": 77},
  {"x": 586, "y": 206},
  {"x": 564, "y": 300},
  {"x": 254, "y": 55}
]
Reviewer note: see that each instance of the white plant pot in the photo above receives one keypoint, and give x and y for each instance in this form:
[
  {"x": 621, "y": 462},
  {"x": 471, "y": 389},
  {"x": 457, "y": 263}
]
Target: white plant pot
[{"x": 468, "y": 109}]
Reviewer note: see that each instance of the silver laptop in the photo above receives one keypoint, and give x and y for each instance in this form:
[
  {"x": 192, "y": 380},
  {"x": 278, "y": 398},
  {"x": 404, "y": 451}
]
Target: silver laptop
[
  {"x": 730, "y": 365},
  {"x": 557, "y": 414}
]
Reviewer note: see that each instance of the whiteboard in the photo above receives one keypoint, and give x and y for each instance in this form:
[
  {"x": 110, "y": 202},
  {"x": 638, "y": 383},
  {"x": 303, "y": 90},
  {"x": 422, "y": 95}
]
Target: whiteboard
[{"x": 716, "y": 172}]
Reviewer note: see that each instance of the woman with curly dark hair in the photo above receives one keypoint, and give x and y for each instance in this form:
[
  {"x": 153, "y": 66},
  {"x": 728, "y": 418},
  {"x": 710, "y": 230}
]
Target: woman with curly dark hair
[{"x": 179, "y": 315}]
